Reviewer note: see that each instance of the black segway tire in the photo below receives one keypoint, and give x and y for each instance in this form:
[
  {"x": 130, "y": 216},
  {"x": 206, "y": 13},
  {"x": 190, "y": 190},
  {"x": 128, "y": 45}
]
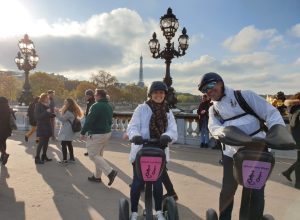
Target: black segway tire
[
  {"x": 123, "y": 209},
  {"x": 170, "y": 209},
  {"x": 268, "y": 217},
  {"x": 211, "y": 214}
]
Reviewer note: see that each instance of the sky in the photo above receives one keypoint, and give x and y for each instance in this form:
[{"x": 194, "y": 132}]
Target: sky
[{"x": 252, "y": 44}]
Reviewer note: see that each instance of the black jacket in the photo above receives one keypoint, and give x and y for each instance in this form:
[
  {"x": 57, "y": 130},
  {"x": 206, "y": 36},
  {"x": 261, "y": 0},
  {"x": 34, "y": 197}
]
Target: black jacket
[
  {"x": 89, "y": 103},
  {"x": 42, "y": 117}
]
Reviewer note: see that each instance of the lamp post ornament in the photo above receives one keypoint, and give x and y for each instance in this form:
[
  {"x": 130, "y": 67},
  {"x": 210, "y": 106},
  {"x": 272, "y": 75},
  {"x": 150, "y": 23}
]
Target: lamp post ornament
[
  {"x": 169, "y": 25},
  {"x": 26, "y": 60}
]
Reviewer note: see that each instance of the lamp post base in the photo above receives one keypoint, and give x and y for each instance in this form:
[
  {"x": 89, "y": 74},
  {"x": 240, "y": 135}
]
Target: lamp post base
[{"x": 26, "y": 97}]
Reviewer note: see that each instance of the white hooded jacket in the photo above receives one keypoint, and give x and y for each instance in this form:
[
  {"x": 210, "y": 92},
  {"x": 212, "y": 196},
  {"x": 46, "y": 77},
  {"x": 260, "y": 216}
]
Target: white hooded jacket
[
  {"x": 228, "y": 107},
  {"x": 139, "y": 125}
]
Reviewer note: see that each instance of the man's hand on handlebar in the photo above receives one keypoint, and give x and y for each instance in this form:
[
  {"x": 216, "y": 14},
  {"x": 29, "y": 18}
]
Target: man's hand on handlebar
[
  {"x": 138, "y": 140},
  {"x": 164, "y": 140}
]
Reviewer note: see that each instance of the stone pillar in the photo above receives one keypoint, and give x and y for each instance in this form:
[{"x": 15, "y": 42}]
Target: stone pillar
[{"x": 21, "y": 117}]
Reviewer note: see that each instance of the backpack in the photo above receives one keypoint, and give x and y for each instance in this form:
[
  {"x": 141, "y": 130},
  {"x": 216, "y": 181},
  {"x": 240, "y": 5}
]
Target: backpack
[
  {"x": 244, "y": 105},
  {"x": 76, "y": 125}
]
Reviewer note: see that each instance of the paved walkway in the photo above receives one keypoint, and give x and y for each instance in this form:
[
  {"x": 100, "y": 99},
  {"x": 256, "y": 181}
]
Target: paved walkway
[{"x": 52, "y": 191}]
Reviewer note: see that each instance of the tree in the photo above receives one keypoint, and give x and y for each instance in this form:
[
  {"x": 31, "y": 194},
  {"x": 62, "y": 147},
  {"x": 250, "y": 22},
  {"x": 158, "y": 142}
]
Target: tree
[
  {"x": 10, "y": 86},
  {"x": 41, "y": 82},
  {"x": 103, "y": 79},
  {"x": 134, "y": 93}
]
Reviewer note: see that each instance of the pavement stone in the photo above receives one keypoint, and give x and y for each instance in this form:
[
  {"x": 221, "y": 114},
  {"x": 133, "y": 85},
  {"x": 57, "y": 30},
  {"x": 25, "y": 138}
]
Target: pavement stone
[{"x": 56, "y": 191}]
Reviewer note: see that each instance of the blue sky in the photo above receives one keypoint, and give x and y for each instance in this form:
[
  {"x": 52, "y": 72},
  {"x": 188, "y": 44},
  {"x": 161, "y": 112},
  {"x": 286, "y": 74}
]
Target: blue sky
[{"x": 253, "y": 44}]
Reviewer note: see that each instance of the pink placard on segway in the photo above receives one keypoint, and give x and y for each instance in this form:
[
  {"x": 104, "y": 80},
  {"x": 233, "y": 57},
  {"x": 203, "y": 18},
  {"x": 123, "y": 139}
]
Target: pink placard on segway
[
  {"x": 150, "y": 167},
  {"x": 255, "y": 173}
]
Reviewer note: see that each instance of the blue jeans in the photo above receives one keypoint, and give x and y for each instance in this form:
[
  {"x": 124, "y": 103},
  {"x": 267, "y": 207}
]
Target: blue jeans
[
  {"x": 135, "y": 192},
  {"x": 204, "y": 135}
]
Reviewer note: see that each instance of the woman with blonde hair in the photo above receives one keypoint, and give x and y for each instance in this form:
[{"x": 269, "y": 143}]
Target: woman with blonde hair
[
  {"x": 67, "y": 115},
  {"x": 43, "y": 115}
]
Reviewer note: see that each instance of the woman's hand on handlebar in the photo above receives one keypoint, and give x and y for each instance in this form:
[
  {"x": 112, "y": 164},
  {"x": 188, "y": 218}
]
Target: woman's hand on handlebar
[
  {"x": 164, "y": 140},
  {"x": 138, "y": 140}
]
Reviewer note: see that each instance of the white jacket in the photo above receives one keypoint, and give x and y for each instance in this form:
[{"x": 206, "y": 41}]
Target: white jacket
[
  {"x": 139, "y": 125},
  {"x": 228, "y": 107}
]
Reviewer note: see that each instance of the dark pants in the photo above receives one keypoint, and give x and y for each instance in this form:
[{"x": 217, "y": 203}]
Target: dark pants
[
  {"x": 135, "y": 193},
  {"x": 229, "y": 186},
  {"x": 3, "y": 145},
  {"x": 43, "y": 143},
  {"x": 64, "y": 145}
]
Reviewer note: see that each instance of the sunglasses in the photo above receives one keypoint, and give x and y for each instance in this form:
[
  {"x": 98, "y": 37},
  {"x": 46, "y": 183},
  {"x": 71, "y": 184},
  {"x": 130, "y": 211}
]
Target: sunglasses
[{"x": 208, "y": 86}]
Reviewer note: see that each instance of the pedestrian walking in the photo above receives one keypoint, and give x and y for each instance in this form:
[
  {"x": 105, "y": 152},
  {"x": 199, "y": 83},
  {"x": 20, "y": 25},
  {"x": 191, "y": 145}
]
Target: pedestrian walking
[
  {"x": 67, "y": 115},
  {"x": 90, "y": 100},
  {"x": 98, "y": 128},
  {"x": 5, "y": 127},
  {"x": 43, "y": 115},
  {"x": 203, "y": 120},
  {"x": 293, "y": 105},
  {"x": 32, "y": 121}
]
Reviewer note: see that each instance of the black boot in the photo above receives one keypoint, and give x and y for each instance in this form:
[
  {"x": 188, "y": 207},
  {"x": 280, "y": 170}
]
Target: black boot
[
  {"x": 45, "y": 158},
  {"x": 37, "y": 160},
  {"x": 111, "y": 176}
]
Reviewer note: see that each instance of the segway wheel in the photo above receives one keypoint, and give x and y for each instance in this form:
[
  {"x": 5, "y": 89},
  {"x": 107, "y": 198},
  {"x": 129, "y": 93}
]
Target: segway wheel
[
  {"x": 170, "y": 209},
  {"x": 211, "y": 214},
  {"x": 123, "y": 209},
  {"x": 268, "y": 217}
]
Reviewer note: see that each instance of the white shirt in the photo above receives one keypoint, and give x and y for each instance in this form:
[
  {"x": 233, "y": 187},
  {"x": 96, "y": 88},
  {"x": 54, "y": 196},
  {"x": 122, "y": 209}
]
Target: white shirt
[
  {"x": 228, "y": 107},
  {"x": 139, "y": 125}
]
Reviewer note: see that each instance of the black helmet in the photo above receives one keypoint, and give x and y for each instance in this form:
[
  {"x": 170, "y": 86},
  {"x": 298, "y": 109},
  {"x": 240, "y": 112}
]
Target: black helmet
[
  {"x": 157, "y": 85},
  {"x": 207, "y": 78}
]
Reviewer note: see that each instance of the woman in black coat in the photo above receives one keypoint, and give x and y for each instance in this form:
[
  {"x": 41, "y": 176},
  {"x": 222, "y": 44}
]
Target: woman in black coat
[
  {"x": 5, "y": 130},
  {"x": 42, "y": 115}
]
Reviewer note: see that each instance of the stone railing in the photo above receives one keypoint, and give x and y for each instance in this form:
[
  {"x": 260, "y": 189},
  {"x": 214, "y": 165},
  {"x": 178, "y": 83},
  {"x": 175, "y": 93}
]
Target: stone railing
[{"x": 187, "y": 126}]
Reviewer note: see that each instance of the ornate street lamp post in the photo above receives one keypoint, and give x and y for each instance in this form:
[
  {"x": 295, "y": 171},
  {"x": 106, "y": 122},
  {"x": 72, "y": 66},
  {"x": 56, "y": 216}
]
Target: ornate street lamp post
[
  {"x": 169, "y": 25},
  {"x": 26, "y": 60}
]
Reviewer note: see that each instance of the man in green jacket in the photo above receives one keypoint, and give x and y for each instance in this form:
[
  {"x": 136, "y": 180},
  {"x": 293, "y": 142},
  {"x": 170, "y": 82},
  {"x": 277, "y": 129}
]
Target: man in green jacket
[{"x": 98, "y": 128}]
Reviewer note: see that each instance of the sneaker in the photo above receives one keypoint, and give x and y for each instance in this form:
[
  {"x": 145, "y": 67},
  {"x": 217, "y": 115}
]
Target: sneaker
[
  {"x": 134, "y": 216},
  {"x": 38, "y": 161},
  {"x": 26, "y": 138},
  {"x": 112, "y": 176},
  {"x": 94, "y": 179},
  {"x": 86, "y": 154},
  {"x": 63, "y": 162},
  {"x": 287, "y": 175},
  {"x": 71, "y": 160},
  {"x": 160, "y": 215}
]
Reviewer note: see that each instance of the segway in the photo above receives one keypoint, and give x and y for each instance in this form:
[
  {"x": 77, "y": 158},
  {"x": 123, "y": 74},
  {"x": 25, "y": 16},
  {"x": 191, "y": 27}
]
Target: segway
[
  {"x": 150, "y": 163},
  {"x": 252, "y": 164}
]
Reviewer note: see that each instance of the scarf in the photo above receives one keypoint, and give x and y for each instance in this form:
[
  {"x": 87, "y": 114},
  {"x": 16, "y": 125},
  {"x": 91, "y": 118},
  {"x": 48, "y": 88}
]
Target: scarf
[{"x": 159, "y": 121}]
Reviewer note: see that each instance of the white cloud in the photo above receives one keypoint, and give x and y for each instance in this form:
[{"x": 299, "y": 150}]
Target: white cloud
[
  {"x": 295, "y": 31},
  {"x": 248, "y": 39},
  {"x": 256, "y": 59},
  {"x": 297, "y": 62}
]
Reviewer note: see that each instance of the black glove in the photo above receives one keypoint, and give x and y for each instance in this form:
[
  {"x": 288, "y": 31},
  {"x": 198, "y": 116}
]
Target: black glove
[
  {"x": 164, "y": 140},
  {"x": 137, "y": 140}
]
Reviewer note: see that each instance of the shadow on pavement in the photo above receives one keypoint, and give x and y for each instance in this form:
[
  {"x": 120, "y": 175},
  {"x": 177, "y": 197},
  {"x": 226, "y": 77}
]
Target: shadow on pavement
[{"x": 9, "y": 207}]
